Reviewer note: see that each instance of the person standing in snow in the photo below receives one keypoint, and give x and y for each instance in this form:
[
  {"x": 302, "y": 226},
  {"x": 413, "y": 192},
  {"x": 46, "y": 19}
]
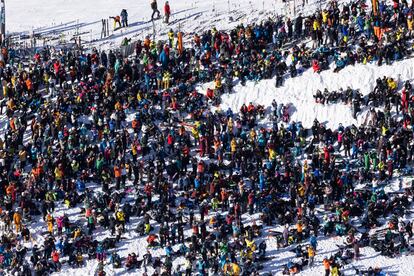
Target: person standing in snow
[
  {"x": 167, "y": 12},
  {"x": 124, "y": 18},
  {"x": 285, "y": 235},
  {"x": 155, "y": 10}
]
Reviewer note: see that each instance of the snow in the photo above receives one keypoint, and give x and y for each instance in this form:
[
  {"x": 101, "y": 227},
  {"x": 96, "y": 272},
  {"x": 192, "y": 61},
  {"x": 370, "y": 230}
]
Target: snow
[
  {"x": 299, "y": 92},
  {"x": 71, "y": 16},
  {"x": 57, "y": 12}
]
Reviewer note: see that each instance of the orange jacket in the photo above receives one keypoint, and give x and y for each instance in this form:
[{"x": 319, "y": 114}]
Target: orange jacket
[
  {"x": 117, "y": 171},
  {"x": 55, "y": 256},
  {"x": 17, "y": 218},
  {"x": 12, "y": 124},
  {"x": 10, "y": 189},
  {"x": 326, "y": 264},
  {"x": 29, "y": 84},
  {"x": 135, "y": 124}
]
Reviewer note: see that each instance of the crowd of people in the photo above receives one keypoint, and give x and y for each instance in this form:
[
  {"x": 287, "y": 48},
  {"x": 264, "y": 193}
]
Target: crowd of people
[{"x": 133, "y": 145}]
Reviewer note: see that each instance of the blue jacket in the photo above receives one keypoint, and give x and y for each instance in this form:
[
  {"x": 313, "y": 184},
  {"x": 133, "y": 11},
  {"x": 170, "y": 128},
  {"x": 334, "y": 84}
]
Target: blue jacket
[
  {"x": 340, "y": 63},
  {"x": 197, "y": 183},
  {"x": 164, "y": 59},
  {"x": 80, "y": 186},
  {"x": 262, "y": 181},
  {"x": 313, "y": 242}
]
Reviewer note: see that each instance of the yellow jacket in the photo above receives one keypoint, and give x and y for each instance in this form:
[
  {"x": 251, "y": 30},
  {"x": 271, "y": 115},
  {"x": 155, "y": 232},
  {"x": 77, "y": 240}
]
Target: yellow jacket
[
  {"x": 218, "y": 83},
  {"x": 233, "y": 145},
  {"x": 236, "y": 269},
  {"x": 252, "y": 134},
  {"x": 410, "y": 24},
  {"x": 316, "y": 25},
  {"x": 120, "y": 216},
  {"x": 334, "y": 271},
  {"x": 272, "y": 154},
  {"x": 76, "y": 233},
  {"x": 325, "y": 16},
  {"x": 391, "y": 84},
  {"x": 171, "y": 36},
  {"x": 251, "y": 245},
  {"x": 311, "y": 252},
  {"x": 230, "y": 124},
  {"x": 384, "y": 130},
  {"x": 195, "y": 133},
  {"x": 167, "y": 76}
]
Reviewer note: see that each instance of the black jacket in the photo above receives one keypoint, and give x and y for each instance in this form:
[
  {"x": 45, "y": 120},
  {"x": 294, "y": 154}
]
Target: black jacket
[{"x": 154, "y": 5}]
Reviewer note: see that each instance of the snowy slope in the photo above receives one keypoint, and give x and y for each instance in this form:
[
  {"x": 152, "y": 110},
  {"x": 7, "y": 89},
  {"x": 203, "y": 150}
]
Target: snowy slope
[
  {"x": 299, "y": 92},
  {"x": 41, "y": 14},
  {"x": 69, "y": 17}
]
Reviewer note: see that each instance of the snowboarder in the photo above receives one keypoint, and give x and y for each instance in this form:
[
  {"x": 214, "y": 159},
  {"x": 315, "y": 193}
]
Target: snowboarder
[{"x": 117, "y": 20}]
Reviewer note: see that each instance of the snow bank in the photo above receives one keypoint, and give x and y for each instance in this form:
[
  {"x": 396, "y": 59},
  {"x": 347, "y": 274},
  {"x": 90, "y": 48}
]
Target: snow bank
[{"x": 299, "y": 91}]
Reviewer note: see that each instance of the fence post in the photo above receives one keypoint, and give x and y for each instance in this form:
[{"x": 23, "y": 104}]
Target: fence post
[
  {"x": 103, "y": 31},
  {"x": 153, "y": 30},
  {"x": 2, "y": 22},
  {"x": 107, "y": 26}
]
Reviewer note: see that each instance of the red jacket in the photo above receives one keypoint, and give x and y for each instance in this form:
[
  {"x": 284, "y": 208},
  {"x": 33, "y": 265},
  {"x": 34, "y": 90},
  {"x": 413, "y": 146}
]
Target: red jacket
[
  {"x": 55, "y": 256},
  {"x": 170, "y": 139},
  {"x": 167, "y": 9},
  {"x": 186, "y": 151},
  {"x": 404, "y": 95},
  {"x": 250, "y": 108},
  {"x": 251, "y": 199},
  {"x": 148, "y": 189},
  {"x": 174, "y": 105},
  {"x": 37, "y": 57},
  {"x": 326, "y": 154},
  {"x": 56, "y": 66},
  {"x": 315, "y": 66},
  {"x": 210, "y": 93}
]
